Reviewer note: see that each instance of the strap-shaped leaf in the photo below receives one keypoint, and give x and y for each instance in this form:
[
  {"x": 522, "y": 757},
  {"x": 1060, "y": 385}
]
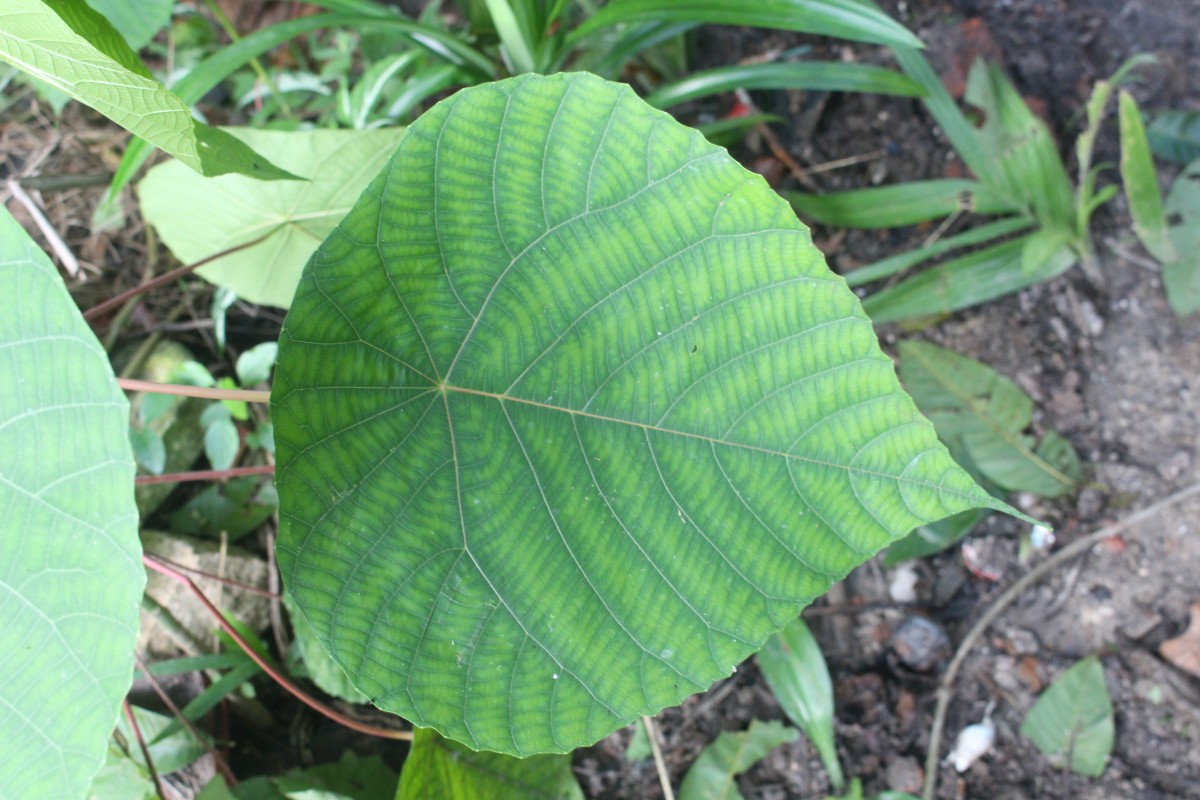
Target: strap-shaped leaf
[
  {"x": 571, "y": 416},
  {"x": 70, "y": 579},
  {"x": 74, "y": 49}
]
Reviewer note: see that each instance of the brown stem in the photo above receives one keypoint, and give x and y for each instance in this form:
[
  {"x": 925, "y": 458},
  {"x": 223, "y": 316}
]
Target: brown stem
[
  {"x": 276, "y": 675},
  {"x": 203, "y": 392},
  {"x": 205, "y": 475},
  {"x": 1002, "y": 602},
  {"x": 137, "y": 734},
  {"x": 166, "y": 278},
  {"x": 245, "y": 587},
  {"x": 219, "y": 762}
]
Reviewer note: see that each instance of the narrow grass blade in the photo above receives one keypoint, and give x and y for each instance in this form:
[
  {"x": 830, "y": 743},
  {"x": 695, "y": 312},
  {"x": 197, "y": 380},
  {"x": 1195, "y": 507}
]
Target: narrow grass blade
[
  {"x": 893, "y": 206},
  {"x": 810, "y": 75},
  {"x": 1141, "y": 182}
]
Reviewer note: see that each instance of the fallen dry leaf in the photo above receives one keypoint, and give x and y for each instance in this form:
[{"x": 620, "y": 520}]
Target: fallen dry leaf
[{"x": 1184, "y": 650}]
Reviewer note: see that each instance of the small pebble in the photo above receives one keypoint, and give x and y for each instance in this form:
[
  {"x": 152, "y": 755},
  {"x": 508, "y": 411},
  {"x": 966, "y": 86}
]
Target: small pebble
[{"x": 920, "y": 644}]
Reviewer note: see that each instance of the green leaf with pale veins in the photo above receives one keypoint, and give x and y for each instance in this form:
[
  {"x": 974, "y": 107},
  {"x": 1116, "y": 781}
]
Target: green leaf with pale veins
[
  {"x": 199, "y": 217},
  {"x": 444, "y": 769},
  {"x": 570, "y": 416},
  {"x": 1073, "y": 720},
  {"x": 70, "y": 575},
  {"x": 77, "y": 51}
]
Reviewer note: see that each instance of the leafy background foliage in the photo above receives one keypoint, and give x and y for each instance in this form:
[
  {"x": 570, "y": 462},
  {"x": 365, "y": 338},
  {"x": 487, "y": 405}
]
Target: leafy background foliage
[
  {"x": 70, "y": 579},
  {"x": 629, "y": 439}
]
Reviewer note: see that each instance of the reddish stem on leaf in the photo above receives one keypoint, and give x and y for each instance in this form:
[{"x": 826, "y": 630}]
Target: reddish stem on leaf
[
  {"x": 276, "y": 675},
  {"x": 245, "y": 587},
  {"x": 165, "y": 278},
  {"x": 205, "y": 475}
]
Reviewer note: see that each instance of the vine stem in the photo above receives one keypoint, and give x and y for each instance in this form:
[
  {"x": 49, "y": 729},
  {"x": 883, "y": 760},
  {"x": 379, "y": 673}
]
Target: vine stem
[
  {"x": 141, "y": 740},
  {"x": 165, "y": 278},
  {"x": 660, "y": 765},
  {"x": 205, "y": 475},
  {"x": 203, "y": 392},
  {"x": 1006, "y": 599},
  {"x": 275, "y": 675}
]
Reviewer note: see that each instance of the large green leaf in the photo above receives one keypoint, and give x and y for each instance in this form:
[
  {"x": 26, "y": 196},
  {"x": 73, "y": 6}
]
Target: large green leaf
[
  {"x": 70, "y": 576},
  {"x": 571, "y": 416},
  {"x": 440, "y": 769},
  {"x": 986, "y": 414},
  {"x": 199, "y": 217},
  {"x": 1073, "y": 719},
  {"x": 77, "y": 51}
]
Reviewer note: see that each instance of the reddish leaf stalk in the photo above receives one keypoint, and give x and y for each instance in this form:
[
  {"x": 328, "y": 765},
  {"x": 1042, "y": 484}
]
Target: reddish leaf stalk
[
  {"x": 276, "y": 675},
  {"x": 165, "y": 278},
  {"x": 205, "y": 475},
  {"x": 245, "y": 587},
  {"x": 203, "y": 392},
  {"x": 137, "y": 733}
]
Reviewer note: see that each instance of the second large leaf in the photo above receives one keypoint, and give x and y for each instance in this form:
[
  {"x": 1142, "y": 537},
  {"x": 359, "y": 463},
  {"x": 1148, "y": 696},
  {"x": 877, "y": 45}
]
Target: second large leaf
[{"x": 571, "y": 416}]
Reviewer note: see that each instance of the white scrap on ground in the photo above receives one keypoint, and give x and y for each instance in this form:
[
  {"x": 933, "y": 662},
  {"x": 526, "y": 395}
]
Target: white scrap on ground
[{"x": 973, "y": 741}]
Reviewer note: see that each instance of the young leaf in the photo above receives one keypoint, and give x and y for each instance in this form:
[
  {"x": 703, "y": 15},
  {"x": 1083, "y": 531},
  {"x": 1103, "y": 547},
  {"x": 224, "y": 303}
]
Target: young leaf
[
  {"x": 78, "y": 52},
  {"x": 70, "y": 571},
  {"x": 148, "y": 449},
  {"x": 712, "y": 776},
  {"x": 892, "y": 206},
  {"x": 971, "y": 403},
  {"x": 1141, "y": 183},
  {"x": 1181, "y": 276},
  {"x": 1175, "y": 135},
  {"x": 565, "y": 373},
  {"x": 254, "y": 366},
  {"x": 811, "y": 75},
  {"x": 1073, "y": 719},
  {"x": 199, "y": 217},
  {"x": 440, "y": 768},
  {"x": 794, "y": 667},
  {"x": 221, "y": 442},
  {"x": 966, "y": 281}
]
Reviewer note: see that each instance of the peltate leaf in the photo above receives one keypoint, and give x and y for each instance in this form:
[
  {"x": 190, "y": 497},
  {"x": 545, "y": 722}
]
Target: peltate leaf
[
  {"x": 443, "y": 769},
  {"x": 712, "y": 776},
  {"x": 77, "y": 51},
  {"x": 199, "y": 217},
  {"x": 986, "y": 414},
  {"x": 70, "y": 575},
  {"x": 570, "y": 416},
  {"x": 1074, "y": 719}
]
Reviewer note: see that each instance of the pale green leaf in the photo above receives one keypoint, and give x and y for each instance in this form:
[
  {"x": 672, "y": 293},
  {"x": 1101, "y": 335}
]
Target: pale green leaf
[
  {"x": 570, "y": 416},
  {"x": 794, "y": 667},
  {"x": 892, "y": 206},
  {"x": 148, "y": 449},
  {"x": 221, "y": 442},
  {"x": 713, "y": 775},
  {"x": 136, "y": 20},
  {"x": 1141, "y": 183},
  {"x": 200, "y": 217},
  {"x": 971, "y": 403},
  {"x": 70, "y": 575},
  {"x": 121, "y": 778},
  {"x": 847, "y": 19},
  {"x": 966, "y": 281},
  {"x": 79, "y": 53},
  {"x": 1181, "y": 276},
  {"x": 254, "y": 366},
  {"x": 1073, "y": 719},
  {"x": 442, "y": 769}
]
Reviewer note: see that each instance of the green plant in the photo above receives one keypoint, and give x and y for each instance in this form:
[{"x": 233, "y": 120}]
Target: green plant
[
  {"x": 1073, "y": 720},
  {"x": 552, "y": 338}
]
